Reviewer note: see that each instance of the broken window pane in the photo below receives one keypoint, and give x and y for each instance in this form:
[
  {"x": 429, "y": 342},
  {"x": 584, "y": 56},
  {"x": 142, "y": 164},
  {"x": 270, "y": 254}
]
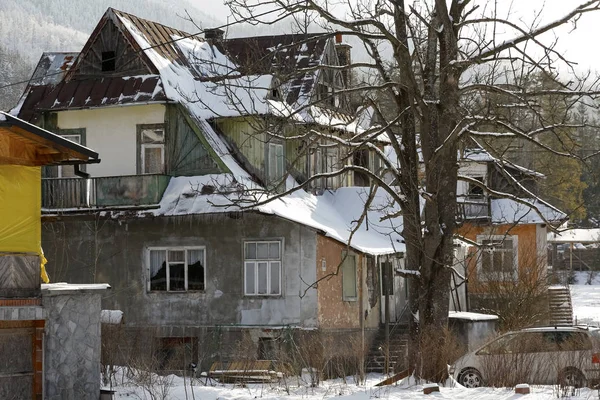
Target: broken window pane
[
  {"x": 196, "y": 270},
  {"x": 158, "y": 270}
]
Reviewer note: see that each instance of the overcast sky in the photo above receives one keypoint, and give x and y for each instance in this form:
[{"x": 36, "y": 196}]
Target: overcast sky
[{"x": 580, "y": 45}]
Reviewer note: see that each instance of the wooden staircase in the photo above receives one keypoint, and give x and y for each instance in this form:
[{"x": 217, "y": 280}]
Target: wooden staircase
[
  {"x": 397, "y": 350},
  {"x": 561, "y": 308}
]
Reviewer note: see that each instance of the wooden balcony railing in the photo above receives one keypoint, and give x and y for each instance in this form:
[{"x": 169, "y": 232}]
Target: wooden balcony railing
[{"x": 103, "y": 192}]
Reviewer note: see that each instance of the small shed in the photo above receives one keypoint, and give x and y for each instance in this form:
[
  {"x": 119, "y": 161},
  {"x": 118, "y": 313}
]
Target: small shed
[{"x": 577, "y": 249}]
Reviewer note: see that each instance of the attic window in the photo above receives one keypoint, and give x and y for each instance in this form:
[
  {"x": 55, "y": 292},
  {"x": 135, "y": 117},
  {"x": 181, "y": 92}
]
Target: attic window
[
  {"x": 275, "y": 94},
  {"x": 108, "y": 61}
]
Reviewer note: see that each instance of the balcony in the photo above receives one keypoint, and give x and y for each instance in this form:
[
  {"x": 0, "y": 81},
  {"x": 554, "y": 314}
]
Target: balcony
[
  {"x": 103, "y": 192},
  {"x": 472, "y": 209}
]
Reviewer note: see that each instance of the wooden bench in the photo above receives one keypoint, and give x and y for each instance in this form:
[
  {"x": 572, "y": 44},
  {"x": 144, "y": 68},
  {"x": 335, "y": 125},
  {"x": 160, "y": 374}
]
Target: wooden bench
[{"x": 247, "y": 371}]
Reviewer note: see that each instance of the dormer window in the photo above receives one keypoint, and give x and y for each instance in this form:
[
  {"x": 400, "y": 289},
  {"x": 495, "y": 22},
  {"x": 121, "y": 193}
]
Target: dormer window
[
  {"x": 108, "y": 61},
  {"x": 275, "y": 94}
]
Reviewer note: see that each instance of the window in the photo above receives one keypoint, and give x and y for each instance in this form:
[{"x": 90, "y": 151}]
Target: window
[
  {"x": 474, "y": 191},
  {"x": 152, "y": 149},
  {"x": 349, "y": 287},
  {"x": 176, "y": 353},
  {"x": 108, "y": 61},
  {"x": 177, "y": 269},
  {"x": 68, "y": 171},
  {"x": 323, "y": 160},
  {"x": 498, "y": 259},
  {"x": 276, "y": 162},
  {"x": 262, "y": 268},
  {"x": 267, "y": 349},
  {"x": 387, "y": 276}
]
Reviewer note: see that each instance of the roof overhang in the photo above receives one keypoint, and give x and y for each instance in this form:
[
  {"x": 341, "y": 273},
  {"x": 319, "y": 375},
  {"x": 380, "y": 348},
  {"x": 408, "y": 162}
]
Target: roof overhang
[{"x": 22, "y": 143}]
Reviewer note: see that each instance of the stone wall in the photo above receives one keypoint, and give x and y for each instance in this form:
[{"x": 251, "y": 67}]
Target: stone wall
[{"x": 72, "y": 341}]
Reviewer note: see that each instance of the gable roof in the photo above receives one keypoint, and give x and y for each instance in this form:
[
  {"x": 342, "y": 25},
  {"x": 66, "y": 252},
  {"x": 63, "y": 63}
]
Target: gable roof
[
  {"x": 284, "y": 55},
  {"x": 230, "y": 77}
]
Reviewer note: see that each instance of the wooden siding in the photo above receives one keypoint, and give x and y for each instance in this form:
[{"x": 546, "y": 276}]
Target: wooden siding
[
  {"x": 530, "y": 262},
  {"x": 248, "y": 140},
  {"x": 185, "y": 153},
  {"x": 127, "y": 61}
]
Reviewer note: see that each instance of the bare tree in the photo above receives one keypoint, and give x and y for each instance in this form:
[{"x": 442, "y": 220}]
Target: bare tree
[{"x": 431, "y": 71}]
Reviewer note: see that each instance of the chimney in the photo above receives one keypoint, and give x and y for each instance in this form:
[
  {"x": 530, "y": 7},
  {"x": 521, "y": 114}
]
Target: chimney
[
  {"x": 343, "y": 53},
  {"x": 213, "y": 34}
]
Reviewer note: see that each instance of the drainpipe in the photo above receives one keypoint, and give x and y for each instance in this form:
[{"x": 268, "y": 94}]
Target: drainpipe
[
  {"x": 386, "y": 291},
  {"x": 362, "y": 316}
]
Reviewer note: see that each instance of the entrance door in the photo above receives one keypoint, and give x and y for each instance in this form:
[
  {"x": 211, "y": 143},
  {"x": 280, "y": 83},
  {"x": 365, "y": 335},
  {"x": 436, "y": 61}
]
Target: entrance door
[
  {"x": 387, "y": 286},
  {"x": 16, "y": 369}
]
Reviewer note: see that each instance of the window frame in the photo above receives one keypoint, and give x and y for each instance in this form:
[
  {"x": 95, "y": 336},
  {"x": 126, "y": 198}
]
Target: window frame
[
  {"x": 274, "y": 179},
  {"x": 345, "y": 257},
  {"x": 65, "y": 133},
  {"x": 256, "y": 261},
  {"x": 494, "y": 274},
  {"x": 167, "y": 249},
  {"x": 141, "y": 147}
]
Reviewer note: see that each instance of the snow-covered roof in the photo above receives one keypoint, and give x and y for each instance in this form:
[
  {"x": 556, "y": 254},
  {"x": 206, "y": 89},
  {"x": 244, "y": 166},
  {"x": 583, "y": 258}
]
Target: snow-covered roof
[
  {"x": 505, "y": 211},
  {"x": 575, "y": 236},
  {"x": 68, "y": 287},
  {"x": 480, "y": 155},
  {"x": 472, "y": 316},
  {"x": 333, "y": 213}
]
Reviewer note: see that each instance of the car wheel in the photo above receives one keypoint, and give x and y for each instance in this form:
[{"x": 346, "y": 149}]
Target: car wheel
[
  {"x": 572, "y": 377},
  {"x": 470, "y": 378}
]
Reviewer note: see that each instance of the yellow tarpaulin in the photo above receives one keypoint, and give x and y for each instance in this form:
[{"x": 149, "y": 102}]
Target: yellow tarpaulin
[{"x": 20, "y": 211}]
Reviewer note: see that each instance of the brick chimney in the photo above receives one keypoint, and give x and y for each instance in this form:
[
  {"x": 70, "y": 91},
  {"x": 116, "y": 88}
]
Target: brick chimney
[
  {"x": 343, "y": 53},
  {"x": 213, "y": 34}
]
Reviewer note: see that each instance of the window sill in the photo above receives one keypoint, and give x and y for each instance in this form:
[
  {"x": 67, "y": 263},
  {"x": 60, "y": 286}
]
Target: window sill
[
  {"x": 176, "y": 292},
  {"x": 350, "y": 299},
  {"x": 263, "y": 296}
]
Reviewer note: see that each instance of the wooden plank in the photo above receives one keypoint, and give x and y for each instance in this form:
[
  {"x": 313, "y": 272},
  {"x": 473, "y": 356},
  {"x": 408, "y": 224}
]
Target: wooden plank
[{"x": 396, "y": 377}]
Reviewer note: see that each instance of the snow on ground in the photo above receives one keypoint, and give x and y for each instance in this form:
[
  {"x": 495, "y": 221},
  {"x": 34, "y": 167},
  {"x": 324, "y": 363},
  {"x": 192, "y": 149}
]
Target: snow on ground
[
  {"x": 294, "y": 389},
  {"x": 586, "y": 299},
  {"x": 586, "y": 308}
]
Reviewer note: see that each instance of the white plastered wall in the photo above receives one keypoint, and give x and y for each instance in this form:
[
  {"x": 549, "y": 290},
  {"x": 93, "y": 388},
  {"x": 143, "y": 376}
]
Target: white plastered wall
[{"x": 111, "y": 131}]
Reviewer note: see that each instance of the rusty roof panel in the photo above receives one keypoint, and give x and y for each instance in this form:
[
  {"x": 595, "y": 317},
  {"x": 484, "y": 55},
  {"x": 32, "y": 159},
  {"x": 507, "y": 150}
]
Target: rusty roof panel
[
  {"x": 51, "y": 68},
  {"x": 93, "y": 93}
]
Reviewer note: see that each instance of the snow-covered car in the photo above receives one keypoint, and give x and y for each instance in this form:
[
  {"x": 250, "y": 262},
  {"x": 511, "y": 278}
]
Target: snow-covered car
[{"x": 567, "y": 355}]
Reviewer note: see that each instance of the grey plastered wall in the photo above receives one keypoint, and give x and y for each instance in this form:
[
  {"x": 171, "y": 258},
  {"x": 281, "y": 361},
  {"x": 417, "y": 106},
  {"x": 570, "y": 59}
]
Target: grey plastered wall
[
  {"x": 72, "y": 344},
  {"x": 114, "y": 251}
]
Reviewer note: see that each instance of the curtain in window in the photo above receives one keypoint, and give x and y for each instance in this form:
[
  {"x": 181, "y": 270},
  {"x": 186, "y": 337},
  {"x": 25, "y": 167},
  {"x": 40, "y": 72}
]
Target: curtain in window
[{"x": 158, "y": 270}]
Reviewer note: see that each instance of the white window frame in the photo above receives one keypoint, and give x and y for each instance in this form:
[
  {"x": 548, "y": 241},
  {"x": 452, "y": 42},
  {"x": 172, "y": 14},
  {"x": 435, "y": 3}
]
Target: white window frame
[
  {"x": 270, "y": 263},
  {"x": 68, "y": 137},
  {"x": 166, "y": 249},
  {"x": 151, "y": 145},
  {"x": 498, "y": 275}
]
